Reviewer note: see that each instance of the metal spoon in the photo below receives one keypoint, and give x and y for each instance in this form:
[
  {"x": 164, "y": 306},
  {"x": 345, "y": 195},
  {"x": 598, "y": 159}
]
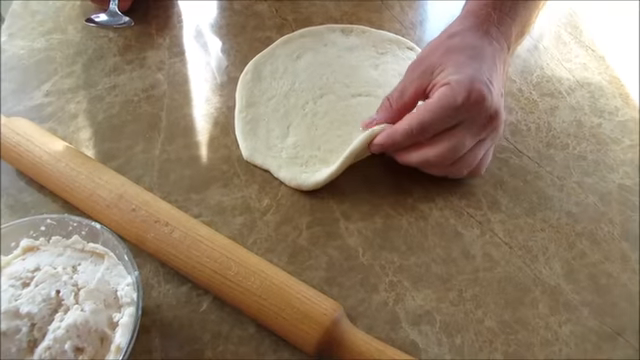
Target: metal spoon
[{"x": 111, "y": 18}]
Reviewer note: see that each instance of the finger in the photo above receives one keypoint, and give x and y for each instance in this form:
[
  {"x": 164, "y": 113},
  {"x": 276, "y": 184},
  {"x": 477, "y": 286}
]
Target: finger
[
  {"x": 463, "y": 166},
  {"x": 430, "y": 118},
  {"x": 441, "y": 150},
  {"x": 399, "y": 102},
  {"x": 483, "y": 164}
]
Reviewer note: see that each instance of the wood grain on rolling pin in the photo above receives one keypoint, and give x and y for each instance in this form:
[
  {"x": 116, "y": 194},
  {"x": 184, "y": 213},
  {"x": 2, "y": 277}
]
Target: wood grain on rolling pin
[{"x": 300, "y": 314}]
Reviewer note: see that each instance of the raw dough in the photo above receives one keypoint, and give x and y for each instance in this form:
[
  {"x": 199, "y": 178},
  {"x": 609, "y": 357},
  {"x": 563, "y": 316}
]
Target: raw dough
[
  {"x": 300, "y": 103},
  {"x": 65, "y": 299}
]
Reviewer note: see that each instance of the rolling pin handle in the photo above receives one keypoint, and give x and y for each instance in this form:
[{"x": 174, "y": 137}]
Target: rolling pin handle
[{"x": 343, "y": 340}]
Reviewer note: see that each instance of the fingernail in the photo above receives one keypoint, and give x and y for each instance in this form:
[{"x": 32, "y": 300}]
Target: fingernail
[{"x": 370, "y": 122}]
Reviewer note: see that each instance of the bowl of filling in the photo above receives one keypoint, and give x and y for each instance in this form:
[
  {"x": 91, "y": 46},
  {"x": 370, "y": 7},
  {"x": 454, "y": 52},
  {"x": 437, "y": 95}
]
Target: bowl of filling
[{"x": 70, "y": 290}]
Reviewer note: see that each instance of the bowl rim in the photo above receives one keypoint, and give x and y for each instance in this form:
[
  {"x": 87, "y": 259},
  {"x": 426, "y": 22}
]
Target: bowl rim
[{"x": 127, "y": 254}]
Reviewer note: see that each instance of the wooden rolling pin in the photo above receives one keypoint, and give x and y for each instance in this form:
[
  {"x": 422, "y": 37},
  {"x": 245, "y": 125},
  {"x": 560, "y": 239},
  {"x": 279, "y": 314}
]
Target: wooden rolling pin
[{"x": 306, "y": 318}]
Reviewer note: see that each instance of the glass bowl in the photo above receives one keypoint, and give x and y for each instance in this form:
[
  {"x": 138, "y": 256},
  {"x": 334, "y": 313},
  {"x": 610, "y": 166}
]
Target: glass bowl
[{"x": 47, "y": 226}]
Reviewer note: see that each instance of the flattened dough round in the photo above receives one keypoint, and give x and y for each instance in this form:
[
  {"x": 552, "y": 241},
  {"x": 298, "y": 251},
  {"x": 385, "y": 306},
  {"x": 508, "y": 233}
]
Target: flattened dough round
[{"x": 300, "y": 103}]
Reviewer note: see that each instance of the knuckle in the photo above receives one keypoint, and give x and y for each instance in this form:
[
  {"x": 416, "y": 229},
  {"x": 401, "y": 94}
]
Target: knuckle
[
  {"x": 388, "y": 103},
  {"x": 411, "y": 131},
  {"x": 478, "y": 95},
  {"x": 475, "y": 95},
  {"x": 393, "y": 102},
  {"x": 495, "y": 120},
  {"x": 491, "y": 123},
  {"x": 401, "y": 100}
]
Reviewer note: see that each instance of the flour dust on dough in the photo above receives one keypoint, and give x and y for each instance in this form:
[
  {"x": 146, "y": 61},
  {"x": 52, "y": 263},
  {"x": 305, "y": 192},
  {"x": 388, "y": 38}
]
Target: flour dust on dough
[{"x": 300, "y": 103}]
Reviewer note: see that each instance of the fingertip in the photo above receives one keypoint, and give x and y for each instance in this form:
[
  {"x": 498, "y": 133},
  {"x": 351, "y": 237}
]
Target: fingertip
[
  {"x": 483, "y": 164},
  {"x": 476, "y": 172},
  {"x": 370, "y": 122}
]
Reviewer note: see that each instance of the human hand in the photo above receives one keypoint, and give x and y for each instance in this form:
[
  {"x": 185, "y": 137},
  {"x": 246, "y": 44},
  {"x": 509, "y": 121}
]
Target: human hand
[
  {"x": 460, "y": 77},
  {"x": 123, "y": 5}
]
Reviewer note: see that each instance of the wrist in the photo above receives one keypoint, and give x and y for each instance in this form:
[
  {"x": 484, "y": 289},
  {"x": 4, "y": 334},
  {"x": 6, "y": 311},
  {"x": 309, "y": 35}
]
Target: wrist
[
  {"x": 507, "y": 21},
  {"x": 482, "y": 21},
  {"x": 486, "y": 32}
]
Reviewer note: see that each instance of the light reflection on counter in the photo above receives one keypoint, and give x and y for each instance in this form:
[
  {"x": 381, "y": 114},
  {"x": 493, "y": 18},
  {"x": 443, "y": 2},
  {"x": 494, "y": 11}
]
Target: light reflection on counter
[
  {"x": 205, "y": 65},
  {"x": 438, "y": 15},
  {"x": 607, "y": 28},
  {"x": 608, "y": 23}
]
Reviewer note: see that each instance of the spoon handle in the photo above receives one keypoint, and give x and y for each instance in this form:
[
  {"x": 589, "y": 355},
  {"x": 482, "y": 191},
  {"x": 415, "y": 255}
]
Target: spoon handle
[{"x": 113, "y": 5}]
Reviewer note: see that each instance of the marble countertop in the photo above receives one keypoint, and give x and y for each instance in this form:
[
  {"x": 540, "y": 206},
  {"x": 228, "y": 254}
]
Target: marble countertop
[{"x": 538, "y": 258}]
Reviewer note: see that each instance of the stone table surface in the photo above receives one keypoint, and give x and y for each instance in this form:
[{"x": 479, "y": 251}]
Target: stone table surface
[{"x": 536, "y": 259}]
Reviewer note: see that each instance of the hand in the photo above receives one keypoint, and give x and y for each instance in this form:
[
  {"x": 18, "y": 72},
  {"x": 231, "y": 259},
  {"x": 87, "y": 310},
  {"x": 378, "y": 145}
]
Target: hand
[
  {"x": 460, "y": 77},
  {"x": 123, "y": 5}
]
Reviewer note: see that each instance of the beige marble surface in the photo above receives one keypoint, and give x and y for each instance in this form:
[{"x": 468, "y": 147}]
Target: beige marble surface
[{"x": 537, "y": 259}]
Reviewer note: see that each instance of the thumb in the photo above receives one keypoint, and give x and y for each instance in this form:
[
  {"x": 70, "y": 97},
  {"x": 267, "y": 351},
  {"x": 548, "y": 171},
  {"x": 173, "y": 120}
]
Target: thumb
[{"x": 398, "y": 103}]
